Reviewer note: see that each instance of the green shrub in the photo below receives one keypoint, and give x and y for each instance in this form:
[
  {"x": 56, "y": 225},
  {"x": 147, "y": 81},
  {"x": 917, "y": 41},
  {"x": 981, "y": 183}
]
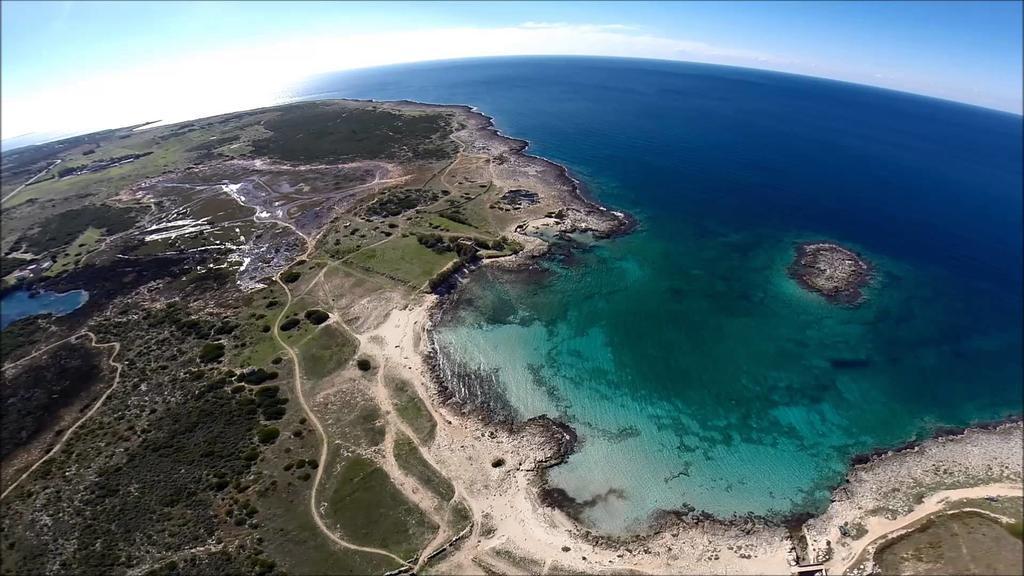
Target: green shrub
[
  {"x": 267, "y": 391},
  {"x": 435, "y": 242},
  {"x": 273, "y": 412},
  {"x": 291, "y": 276},
  {"x": 211, "y": 352},
  {"x": 290, "y": 324},
  {"x": 226, "y": 327},
  {"x": 364, "y": 364},
  {"x": 263, "y": 566},
  {"x": 316, "y": 316},
  {"x": 268, "y": 434},
  {"x": 257, "y": 376}
]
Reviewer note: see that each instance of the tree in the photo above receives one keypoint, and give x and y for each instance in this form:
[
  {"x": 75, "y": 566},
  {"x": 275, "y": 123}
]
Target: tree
[
  {"x": 268, "y": 434},
  {"x": 317, "y": 316}
]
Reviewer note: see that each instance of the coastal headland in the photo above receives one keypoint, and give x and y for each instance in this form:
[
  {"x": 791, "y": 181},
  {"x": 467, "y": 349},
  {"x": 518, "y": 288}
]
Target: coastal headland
[{"x": 280, "y": 271}]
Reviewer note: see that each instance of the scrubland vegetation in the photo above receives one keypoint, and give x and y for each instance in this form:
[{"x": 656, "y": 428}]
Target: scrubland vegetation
[{"x": 202, "y": 459}]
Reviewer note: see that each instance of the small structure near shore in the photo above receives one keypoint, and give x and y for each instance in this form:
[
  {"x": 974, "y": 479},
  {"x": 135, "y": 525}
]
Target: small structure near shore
[{"x": 828, "y": 269}]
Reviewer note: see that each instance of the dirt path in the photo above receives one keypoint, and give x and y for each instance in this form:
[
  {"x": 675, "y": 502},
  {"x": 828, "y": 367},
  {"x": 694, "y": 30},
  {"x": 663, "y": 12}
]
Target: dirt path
[
  {"x": 398, "y": 353},
  {"x": 418, "y": 494},
  {"x": 423, "y": 497},
  {"x": 881, "y": 529},
  {"x": 40, "y": 351},
  {"x": 297, "y": 368},
  {"x": 117, "y": 377},
  {"x": 411, "y": 487}
]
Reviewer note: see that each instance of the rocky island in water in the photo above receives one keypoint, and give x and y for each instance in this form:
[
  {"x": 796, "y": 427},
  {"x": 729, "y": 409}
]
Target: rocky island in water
[{"x": 828, "y": 269}]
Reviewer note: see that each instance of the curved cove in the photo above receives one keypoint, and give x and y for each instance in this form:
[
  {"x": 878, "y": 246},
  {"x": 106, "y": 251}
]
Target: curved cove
[{"x": 696, "y": 371}]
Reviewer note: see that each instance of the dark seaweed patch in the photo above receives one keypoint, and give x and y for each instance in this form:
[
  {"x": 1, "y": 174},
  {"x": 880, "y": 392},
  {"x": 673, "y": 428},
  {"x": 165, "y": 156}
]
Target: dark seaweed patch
[{"x": 848, "y": 363}]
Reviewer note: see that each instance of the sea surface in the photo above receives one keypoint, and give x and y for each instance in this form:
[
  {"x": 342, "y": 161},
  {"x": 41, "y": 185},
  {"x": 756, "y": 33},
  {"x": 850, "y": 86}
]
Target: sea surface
[
  {"x": 695, "y": 371},
  {"x": 22, "y": 304}
]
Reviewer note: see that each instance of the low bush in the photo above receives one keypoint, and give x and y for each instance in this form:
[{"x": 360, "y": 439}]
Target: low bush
[
  {"x": 268, "y": 434},
  {"x": 316, "y": 316},
  {"x": 211, "y": 352},
  {"x": 257, "y": 376}
]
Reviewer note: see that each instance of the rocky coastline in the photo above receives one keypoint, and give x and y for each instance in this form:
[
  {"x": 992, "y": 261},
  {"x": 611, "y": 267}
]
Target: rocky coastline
[
  {"x": 893, "y": 484},
  {"x": 936, "y": 434},
  {"x": 835, "y": 272}
]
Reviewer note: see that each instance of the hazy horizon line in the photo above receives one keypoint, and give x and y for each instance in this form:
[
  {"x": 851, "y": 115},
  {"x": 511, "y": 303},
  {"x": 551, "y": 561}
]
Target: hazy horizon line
[{"x": 48, "y": 136}]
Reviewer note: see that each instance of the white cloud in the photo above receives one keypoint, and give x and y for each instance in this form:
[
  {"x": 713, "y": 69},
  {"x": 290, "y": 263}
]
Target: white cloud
[{"x": 256, "y": 75}]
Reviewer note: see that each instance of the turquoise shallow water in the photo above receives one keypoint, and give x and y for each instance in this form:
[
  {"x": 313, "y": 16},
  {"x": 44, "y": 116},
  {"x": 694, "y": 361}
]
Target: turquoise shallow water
[{"x": 696, "y": 372}]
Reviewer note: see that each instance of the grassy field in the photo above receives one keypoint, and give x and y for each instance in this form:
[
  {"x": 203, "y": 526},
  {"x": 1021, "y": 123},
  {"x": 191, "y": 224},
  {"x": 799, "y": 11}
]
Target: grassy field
[
  {"x": 370, "y": 510},
  {"x": 411, "y": 461},
  {"x": 326, "y": 350},
  {"x": 286, "y": 526},
  {"x": 442, "y": 224},
  {"x": 410, "y": 408},
  {"x": 960, "y": 543},
  {"x": 253, "y": 344},
  {"x": 404, "y": 260},
  {"x": 85, "y": 243}
]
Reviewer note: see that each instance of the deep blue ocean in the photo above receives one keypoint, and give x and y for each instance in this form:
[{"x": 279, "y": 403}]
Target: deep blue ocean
[{"x": 696, "y": 372}]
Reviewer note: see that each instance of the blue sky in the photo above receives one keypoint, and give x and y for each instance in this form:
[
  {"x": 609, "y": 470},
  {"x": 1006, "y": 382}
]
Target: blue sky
[{"x": 65, "y": 62}]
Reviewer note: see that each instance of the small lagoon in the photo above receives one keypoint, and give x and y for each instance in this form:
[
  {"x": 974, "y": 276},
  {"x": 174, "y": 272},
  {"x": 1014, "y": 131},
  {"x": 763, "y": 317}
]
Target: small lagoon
[{"x": 22, "y": 304}]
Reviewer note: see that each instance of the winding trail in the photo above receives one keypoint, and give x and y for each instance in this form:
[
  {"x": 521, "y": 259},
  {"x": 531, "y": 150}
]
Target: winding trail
[
  {"x": 413, "y": 489},
  {"x": 95, "y": 407},
  {"x": 40, "y": 351},
  {"x": 419, "y": 494},
  {"x": 436, "y": 509},
  {"x": 391, "y": 361}
]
